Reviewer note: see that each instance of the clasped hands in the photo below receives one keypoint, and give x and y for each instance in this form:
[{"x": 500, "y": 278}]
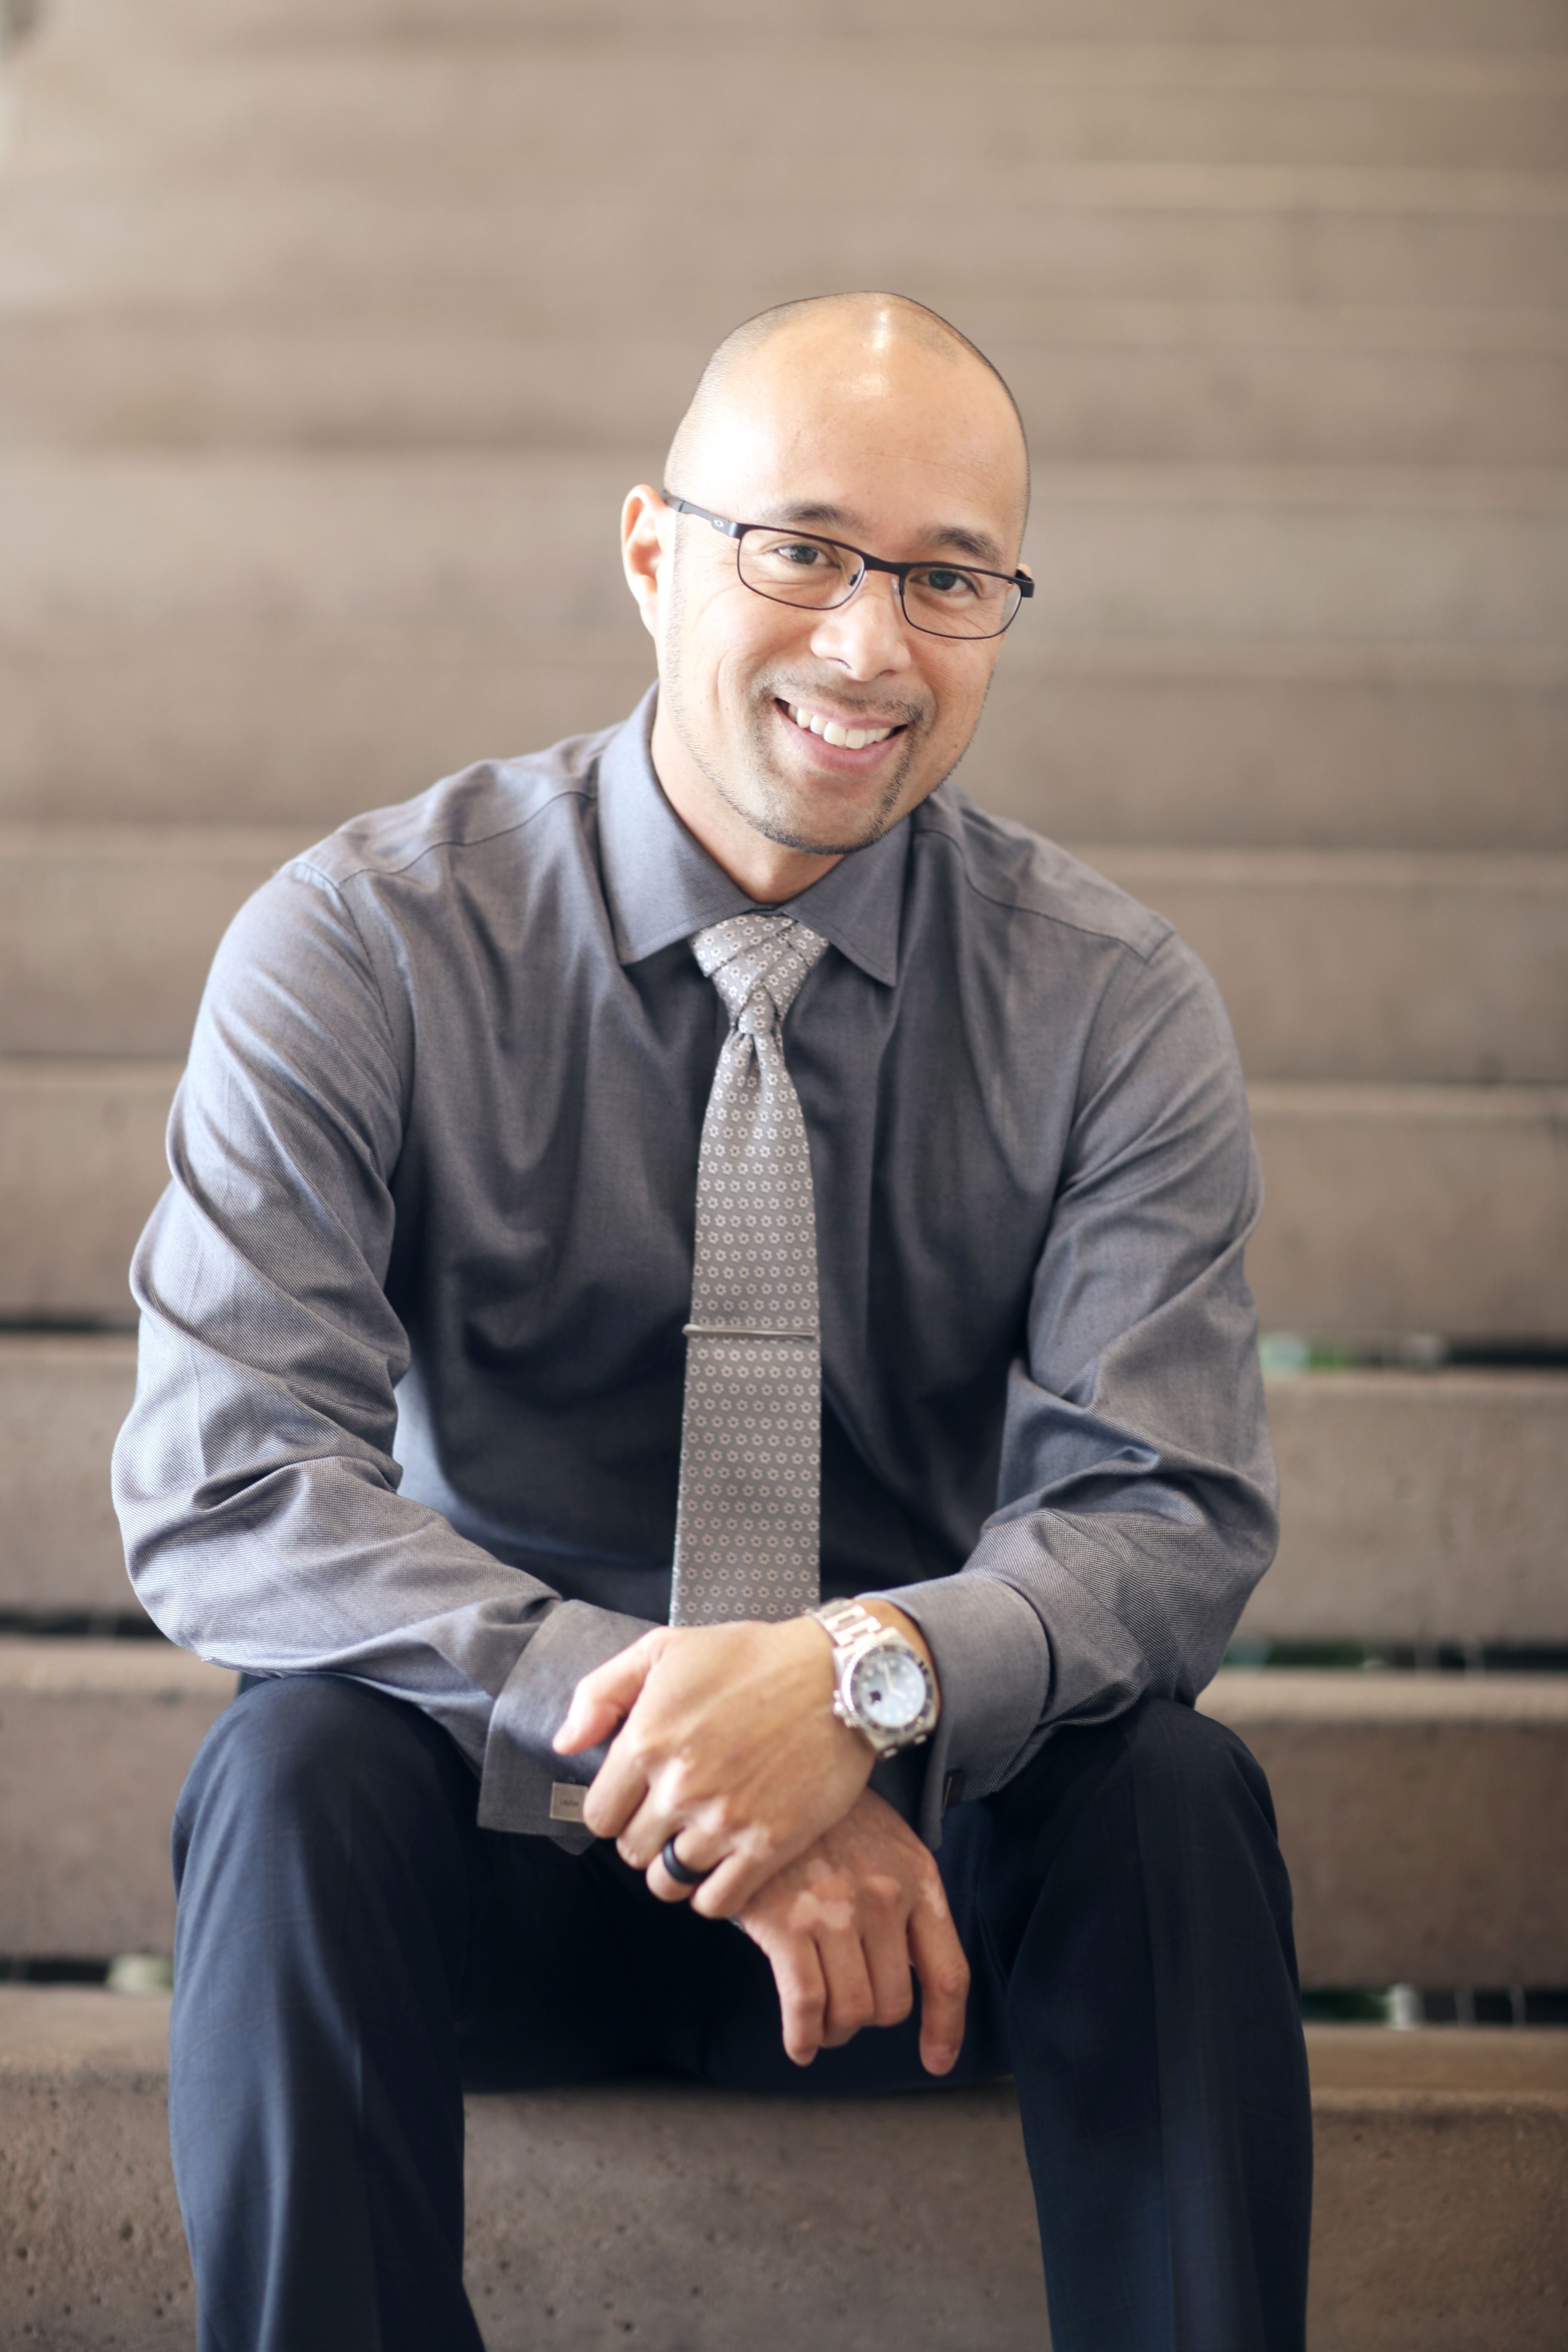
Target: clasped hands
[{"x": 725, "y": 1734}]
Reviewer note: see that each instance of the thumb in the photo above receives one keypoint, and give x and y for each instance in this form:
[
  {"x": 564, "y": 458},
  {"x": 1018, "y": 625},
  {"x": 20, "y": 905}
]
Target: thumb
[{"x": 603, "y": 1699}]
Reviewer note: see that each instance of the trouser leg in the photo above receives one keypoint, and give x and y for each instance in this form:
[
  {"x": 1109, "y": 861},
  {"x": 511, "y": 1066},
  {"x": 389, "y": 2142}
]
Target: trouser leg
[
  {"x": 1128, "y": 1911},
  {"x": 353, "y": 1951},
  {"x": 323, "y": 1865}
]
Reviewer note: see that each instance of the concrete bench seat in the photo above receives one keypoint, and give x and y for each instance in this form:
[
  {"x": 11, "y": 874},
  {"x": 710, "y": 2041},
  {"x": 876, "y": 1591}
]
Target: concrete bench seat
[{"x": 682, "y": 2219}]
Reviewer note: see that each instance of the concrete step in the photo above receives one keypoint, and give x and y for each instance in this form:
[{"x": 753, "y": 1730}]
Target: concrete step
[
  {"x": 1401, "y": 1209},
  {"x": 1409, "y": 966},
  {"x": 62, "y": 1400},
  {"x": 1134, "y": 382},
  {"x": 510, "y": 111},
  {"x": 81, "y": 1163},
  {"x": 1382, "y": 1219},
  {"x": 96, "y": 1739},
  {"x": 1350, "y": 966},
  {"x": 1318, "y": 745},
  {"x": 1535, "y": 26},
  {"x": 1396, "y": 1485},
  {"x": 106, "y": 933},
  {"x": 1420, "y": 1507},
  {"x": 1420, "y": 1815},
  {"x": 1437, "y": 2222},
  {"x": 1206, "y": 232}
]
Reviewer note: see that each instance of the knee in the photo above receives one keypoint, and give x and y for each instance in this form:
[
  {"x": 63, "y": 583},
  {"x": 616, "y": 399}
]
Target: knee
[
  {"x": 310, "y": 1759},
  {"x": 1204, "y": 1761}
]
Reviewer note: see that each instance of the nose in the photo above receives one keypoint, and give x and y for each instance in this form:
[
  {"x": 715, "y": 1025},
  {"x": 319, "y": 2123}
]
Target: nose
[{"x": 868, "y": 636}]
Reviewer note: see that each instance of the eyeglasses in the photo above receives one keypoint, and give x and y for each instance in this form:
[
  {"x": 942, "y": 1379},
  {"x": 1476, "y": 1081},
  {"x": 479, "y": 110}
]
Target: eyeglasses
[{"x": 795, "y": 567}]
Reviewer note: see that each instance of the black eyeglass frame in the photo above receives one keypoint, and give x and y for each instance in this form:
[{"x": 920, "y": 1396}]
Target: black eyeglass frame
[{"x": 1021, "y": 580}]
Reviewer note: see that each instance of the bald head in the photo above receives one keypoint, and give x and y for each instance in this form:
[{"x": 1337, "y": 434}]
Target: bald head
[{"x": 878, "y": 353}]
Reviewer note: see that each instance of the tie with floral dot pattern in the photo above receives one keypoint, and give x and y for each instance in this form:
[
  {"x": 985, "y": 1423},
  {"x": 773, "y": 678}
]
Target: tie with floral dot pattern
[{"x": 746, "y": 1525}]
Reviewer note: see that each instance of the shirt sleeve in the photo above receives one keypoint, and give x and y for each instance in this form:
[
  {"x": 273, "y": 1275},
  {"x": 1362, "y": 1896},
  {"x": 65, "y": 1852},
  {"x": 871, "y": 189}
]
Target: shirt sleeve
[
  {"x": 255, "y": 1479},
  {"x": 1137, "y": 1495}
]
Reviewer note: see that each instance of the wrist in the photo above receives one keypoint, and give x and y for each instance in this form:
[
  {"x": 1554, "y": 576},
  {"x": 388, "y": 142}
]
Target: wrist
[{"x": 884, "y": 1681}]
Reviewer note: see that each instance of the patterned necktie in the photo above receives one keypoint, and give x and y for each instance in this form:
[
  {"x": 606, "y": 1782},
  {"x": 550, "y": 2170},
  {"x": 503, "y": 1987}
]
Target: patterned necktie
[{"x": 746, "y": 1526}]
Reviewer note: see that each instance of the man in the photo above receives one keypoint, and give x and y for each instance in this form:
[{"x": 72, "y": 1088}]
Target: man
[{"x": 716, "y": 1143}]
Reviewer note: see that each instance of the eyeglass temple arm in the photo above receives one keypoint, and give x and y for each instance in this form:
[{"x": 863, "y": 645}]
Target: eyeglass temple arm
[{"x": 685, "y": 506}]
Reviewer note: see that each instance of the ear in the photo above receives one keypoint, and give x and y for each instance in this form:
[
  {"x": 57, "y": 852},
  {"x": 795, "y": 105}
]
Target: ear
[{"x": 646, "y": 523}]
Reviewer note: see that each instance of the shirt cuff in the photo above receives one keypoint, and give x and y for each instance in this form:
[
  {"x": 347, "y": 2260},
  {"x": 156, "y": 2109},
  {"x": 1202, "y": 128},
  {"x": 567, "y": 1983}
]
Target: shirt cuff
[
  {"x": 993, "y": 1669},
  {"x": 521, "y": 1771}
]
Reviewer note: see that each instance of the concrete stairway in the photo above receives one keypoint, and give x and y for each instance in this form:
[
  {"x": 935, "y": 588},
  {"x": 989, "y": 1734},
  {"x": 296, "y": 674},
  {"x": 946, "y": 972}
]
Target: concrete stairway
[{"x": 316, "y": 323}]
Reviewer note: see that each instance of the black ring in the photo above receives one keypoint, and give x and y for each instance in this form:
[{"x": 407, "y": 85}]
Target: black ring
[{"x": 682, "y": 1872}]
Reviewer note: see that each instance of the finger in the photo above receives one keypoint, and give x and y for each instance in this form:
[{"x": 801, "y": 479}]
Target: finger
[
  {"x": 944, "y": 1973},
  {"x": 885, "y": 1942},
  {"x": 603, "y": 1700},
  {"x": 616, "y": 1793},
  {"x": 661, "y": 1881},
  {"x": 851, "y": 2003},
  {"x": 802, "y": 1991}
]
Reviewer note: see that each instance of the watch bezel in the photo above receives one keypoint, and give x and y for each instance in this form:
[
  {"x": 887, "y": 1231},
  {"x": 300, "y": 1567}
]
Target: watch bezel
[{"x": 892, "y": 1645}]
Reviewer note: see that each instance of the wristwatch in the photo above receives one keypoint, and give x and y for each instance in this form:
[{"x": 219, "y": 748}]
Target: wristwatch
[{"x": 884, "y": 1687}]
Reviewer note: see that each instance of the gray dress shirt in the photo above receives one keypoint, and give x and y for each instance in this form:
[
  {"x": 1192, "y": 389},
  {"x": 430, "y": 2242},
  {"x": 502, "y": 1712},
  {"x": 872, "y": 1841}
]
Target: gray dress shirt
[{"x": 409, "y": 1395}]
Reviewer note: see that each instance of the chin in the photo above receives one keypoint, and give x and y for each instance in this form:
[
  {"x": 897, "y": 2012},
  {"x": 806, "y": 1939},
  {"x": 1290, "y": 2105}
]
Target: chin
[{"x": 779, "y": 819}]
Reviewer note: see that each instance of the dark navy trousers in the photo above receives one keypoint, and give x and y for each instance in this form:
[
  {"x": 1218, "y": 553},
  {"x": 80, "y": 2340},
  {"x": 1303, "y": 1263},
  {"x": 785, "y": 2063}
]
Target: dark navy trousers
[{"x": 353, "y": 1952}]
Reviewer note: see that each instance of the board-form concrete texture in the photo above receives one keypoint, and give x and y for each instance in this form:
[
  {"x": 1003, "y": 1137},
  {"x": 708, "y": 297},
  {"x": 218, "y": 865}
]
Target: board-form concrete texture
[
  {"x": 687, "y": 2221},
  {"x": 1419, "y": 1507},
  {"x": 1421, "y": 1817},
  {"x": 96, "y": 1739}
]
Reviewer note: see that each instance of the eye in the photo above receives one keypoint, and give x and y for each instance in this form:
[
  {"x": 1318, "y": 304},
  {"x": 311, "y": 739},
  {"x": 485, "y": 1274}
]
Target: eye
[
  {"x": 802, "y": 553},
  {"x": 945, "y": 580}
]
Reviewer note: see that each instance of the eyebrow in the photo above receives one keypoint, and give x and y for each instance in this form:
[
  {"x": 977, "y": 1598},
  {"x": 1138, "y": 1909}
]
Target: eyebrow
[{"x": 976, "y": 545}]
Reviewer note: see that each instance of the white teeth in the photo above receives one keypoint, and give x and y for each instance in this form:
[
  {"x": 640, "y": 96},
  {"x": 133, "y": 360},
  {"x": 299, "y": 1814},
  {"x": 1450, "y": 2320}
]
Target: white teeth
[{"x": 853, "y": 739}]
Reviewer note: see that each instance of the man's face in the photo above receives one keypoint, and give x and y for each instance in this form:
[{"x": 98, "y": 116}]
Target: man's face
[{"x": 913, "y": 456}]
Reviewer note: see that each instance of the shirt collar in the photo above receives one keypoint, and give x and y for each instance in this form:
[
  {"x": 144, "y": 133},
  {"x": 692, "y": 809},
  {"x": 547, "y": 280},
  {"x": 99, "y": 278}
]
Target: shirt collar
[{"x": 661, "y": 886}]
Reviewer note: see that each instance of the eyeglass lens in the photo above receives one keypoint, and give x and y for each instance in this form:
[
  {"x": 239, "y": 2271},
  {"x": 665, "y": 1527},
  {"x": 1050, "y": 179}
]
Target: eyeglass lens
[{"x": 943, "y": 598}]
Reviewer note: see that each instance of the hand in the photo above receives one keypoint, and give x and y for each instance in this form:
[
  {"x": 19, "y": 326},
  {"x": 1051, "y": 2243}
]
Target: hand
[
  {"x": 727, "y": 1734},
  {"x": 844, "y": 1923}
]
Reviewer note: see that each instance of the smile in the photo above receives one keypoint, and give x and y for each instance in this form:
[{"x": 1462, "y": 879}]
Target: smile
[{"x": 853, "y": 738}]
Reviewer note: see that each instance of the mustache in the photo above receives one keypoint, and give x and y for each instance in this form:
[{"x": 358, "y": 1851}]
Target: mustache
[{"x": 873, "y": 714}]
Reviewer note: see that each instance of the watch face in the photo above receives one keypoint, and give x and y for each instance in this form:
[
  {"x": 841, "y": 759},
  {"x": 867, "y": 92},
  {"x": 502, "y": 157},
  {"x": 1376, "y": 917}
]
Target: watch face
[{"x": 888, "y": 1690}]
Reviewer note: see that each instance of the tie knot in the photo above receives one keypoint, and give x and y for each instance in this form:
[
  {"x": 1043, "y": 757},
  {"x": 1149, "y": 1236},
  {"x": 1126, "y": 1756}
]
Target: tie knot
[{"x": 757, "y": 964}]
